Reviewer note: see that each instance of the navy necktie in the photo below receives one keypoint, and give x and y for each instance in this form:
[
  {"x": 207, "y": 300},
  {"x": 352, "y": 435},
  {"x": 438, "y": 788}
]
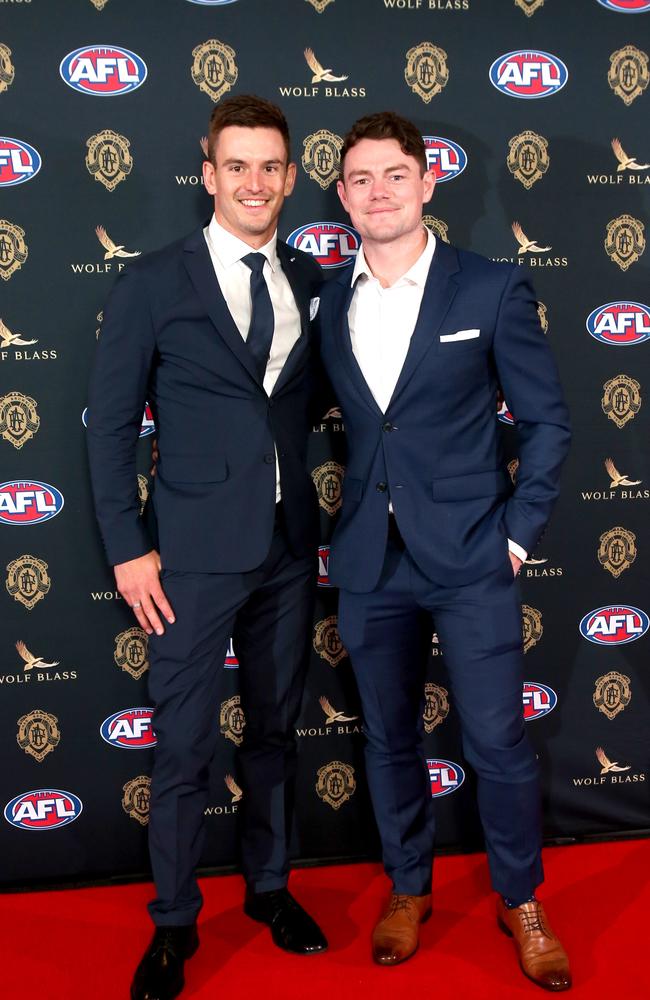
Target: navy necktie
[{"x": 260, "y": 332}]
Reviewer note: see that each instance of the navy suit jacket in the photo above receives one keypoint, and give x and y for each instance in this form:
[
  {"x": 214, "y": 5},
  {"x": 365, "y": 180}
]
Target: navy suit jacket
[
  {"x": 436, "y": 453},
  {"x": 168, "y": 337}
]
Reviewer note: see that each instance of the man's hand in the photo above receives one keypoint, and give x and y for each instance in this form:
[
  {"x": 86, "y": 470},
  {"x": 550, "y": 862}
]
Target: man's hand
[
  {"x": 138, "y": 581},
  {"x": 516, "y": 563}
]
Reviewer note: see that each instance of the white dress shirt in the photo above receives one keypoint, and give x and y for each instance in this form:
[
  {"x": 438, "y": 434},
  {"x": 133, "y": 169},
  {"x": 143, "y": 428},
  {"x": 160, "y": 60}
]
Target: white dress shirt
[
  {"x": 382, "y": 321},
  {"x": 234, "y": 277}
]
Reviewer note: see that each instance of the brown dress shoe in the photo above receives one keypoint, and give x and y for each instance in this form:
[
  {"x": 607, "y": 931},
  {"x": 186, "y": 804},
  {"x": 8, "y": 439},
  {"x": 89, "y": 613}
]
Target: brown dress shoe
[
  {"x": 541, "y": 956},
  {"x": 395, "y": 937}
]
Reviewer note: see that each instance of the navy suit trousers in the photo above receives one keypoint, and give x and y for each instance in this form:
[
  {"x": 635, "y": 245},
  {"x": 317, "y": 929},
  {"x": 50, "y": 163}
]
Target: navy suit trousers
[
  {"x": 268, "y": 611},
  {"x": 387, "y": 633}
]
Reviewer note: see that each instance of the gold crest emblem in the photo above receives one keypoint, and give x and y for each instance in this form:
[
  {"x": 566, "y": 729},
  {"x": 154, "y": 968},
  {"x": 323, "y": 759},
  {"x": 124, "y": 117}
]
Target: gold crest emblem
[
  {"x": 6, "y": 68},
  {"x": 19, "y": 420},
  {"x": 335, "y": 783},
  {"x": 542, "y": 312},
  {"x": 214, "y": 69},
  {"x": 27, "y": 580},
  {"x": 436, "y": 706},
  {"x": 233, "y": 788},
  {"x": 626, "y": 162},
  {"x": 132, "y": 651},
  {"x": 612, "y": 693},
  {"x": 513, "y": 465},
  {"x": 108, "y": 159},
  {"x": 328, "y": 480},
  {"x": 526, "y": 245},
  {"x": 529, "y": 6},
  {"x": 622, "y": 399},
  {"x": 617, "y": 550},
  {"x": 38, "y": 734},
  {"x": 532, "y": 626},
  {"x": 136, "y": 798},
  {"x": 618, "y": 479},
  {"x": 528, "y": 158},
  {"x": 327, "y": 641},
  {"x": 321, "y": 158},
  {"x": 331, "y": 714},
  {"x": 99, "y": 4},
  {"x": 13, "y": 249},
  {"x": 30, "y": 661},
  {"x": 426, "y": 70},
  {"x": 625, "y": 241},
  {"x": 9, "y": 339},
  {"x": 437, "y": 227},
  {"x": 628, "y": 73},
  {"x": 232, "y": 720},
  {"x": 143, "y": 492},
  {"x": 320, "y": 5}
]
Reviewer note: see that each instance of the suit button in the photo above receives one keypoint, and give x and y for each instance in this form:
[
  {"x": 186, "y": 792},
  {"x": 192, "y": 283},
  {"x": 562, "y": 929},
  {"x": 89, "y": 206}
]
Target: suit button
[
  {"x": 381, "y": 487},
  {"x": 269, "y": 459},
  {"x": 387, "y": 427}
]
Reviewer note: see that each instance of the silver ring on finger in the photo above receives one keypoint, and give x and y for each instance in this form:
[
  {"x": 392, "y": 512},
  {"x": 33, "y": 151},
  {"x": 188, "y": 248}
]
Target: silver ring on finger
[{"x": 137, "y": 605}]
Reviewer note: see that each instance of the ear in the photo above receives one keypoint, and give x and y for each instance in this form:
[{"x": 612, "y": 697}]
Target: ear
[
  {"x": 290, "y": 179},
  {"x": 428, "y": 184},
  {"x": 340, "y": 190},
  {"x": 209, "y": 177}
]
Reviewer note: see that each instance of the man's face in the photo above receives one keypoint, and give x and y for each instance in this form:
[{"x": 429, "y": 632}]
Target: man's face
[
  {"x": 383, "y": 190},
  {"x": 249, "y": 182}
]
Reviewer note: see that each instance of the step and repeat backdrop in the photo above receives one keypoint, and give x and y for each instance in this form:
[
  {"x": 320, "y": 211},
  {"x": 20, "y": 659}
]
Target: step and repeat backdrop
[{"x": 534, "y": 114}]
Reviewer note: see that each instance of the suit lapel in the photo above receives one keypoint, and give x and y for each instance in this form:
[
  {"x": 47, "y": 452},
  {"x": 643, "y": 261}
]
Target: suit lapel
[
  {"x": 344, "y": 345},
  {"x": 301, "y": 293},
  {"x": 439, "y": 292},
  {"x": 199, "y": 267}
]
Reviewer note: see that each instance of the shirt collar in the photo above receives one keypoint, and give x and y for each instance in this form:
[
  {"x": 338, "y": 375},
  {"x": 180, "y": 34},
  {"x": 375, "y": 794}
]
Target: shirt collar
[
  {"x": 229, "y": 249},
  {"x": 416, "y": 274}
]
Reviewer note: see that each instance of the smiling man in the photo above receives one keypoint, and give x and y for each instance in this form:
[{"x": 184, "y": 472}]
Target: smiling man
[
  {"x": 214, "y": 332},
  {"x": 431, "y": 535}
]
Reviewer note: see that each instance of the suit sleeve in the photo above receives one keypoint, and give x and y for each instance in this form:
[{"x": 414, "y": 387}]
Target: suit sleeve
[
  {"x": 118, "y": 390},
  {"x": 531, "y": 385}
]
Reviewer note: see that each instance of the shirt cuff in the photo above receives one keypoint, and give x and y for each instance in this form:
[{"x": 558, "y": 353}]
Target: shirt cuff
[{"x": 517, "y": 550}]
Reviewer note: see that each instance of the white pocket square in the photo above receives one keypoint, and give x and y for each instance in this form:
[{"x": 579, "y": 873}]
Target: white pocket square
[
  {"x": 461, "y": 335},
  {"x": 313, "y": 308}
]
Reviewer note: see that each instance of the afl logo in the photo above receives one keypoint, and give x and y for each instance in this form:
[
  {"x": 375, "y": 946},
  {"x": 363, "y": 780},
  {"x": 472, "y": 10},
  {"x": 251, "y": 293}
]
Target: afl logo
[
  {"x": 330, "y": 243},
  {"x": 29, "y": 502},
  {"x": 620, "y": 323},
  {"x": 147, "y": 426},
  {"x": 614, "y": 626},
  {"x": 445, "y": 159},
  {"x": 130, "y": 729},
  {"x": 231, "y": 662},
  {"x": 324, "y": 566},
  {"x": 43, "y": 809},
  {"x": 504, "y": 414},
  {"x": 19, "y": 162},
  {"x": 445, "y": 776},
  {"x": 212, "y": 3},
  {"x": 626, "y": 6},
  {"x": 538, "y": 700},
  {"x": 528, "y": 74},
  {"x": 103, "y": 70}
]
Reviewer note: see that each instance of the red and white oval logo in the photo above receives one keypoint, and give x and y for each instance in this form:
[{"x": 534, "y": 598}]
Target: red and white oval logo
[
  {"x": 445, "y": 776},
  {"x": 626, "y": 6},
  {"x": 19, "y": 162},
  {"x": 324, "y": 566},
  {"x": 620, "y": 324},
  {"x": 231, "y": 662},
  {"x": 445, "y": 158},
  {"x": 332, "y": 244},
  {"x": 147, "y": 427},
  {"x": 614, "y": 626},
  {"x": 29, "y": 502},
  {"x": 528, "y": 74},
  {"x": 130, "y": 729},
  {"x": 538, "y": 699},
  {"x": 43, "y": 809},
  {"x": 103, "y": 70}
]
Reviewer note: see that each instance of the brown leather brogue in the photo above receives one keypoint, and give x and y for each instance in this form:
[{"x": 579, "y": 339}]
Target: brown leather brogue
[
  {"x": 541, "y": 955},
  {"x": 395, "y": 937}
]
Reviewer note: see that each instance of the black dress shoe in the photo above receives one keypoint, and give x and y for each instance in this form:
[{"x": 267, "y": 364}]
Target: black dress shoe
[
  {"x": 291, "y": 927},
  {"x": 159, "y": 975}
]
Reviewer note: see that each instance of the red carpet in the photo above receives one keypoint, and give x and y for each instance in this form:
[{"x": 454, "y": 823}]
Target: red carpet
[{"x": 85, "y": 943}]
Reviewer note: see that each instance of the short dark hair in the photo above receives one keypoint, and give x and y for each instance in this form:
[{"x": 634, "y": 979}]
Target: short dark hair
[
  {"x": 387, "y": 125},
  {"x": 246, "y": 111}
]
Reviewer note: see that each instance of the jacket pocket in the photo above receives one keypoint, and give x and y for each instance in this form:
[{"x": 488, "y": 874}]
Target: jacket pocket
[{"x": 474, "y": 486}]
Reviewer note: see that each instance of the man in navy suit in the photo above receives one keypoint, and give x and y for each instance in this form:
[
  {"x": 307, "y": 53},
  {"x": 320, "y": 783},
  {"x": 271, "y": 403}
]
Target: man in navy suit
[
  {"x": 431, "y": 533},
  {"x": 214, "y": 331}
]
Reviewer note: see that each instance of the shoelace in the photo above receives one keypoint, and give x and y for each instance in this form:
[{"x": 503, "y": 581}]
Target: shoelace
[
  {"x": 400, "y": 903},
  {"x": 533, "y": 921},
  {"x": 165, "y": 943}
]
